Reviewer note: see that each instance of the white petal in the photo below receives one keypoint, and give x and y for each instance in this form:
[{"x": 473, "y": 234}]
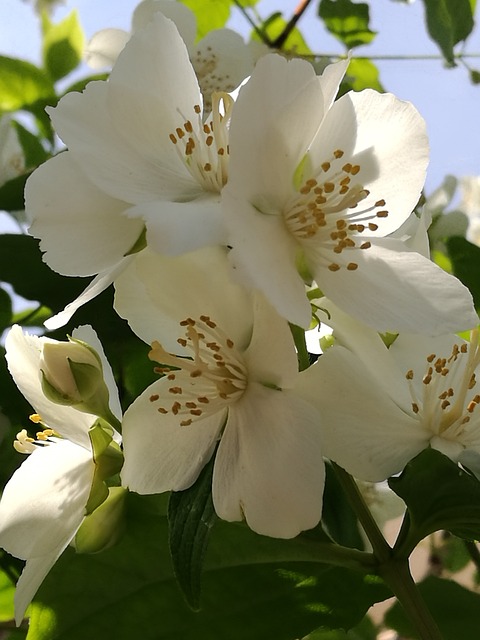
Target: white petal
[
  {"x": 179, "y": 227},
  {"x": 271, "y": 357},
  {"x": 89, "y": 335},
  {"x": 33, "y": 574},
  {"x": 160, "y": 455},
  {"x": 369, "y": 347},
  {"x": 152, "y": 90},
  {"x": 276, "y": 115},
  {"x": 330, "y": 81},
  {"x": 96, "y": 286},
  {"x": 181, "y": 15},
  {"x": 43, "y": 503},
  {"x": 387, "y": 138},
  {"x": 131, "y": 173},
  {"x": 399, "y": 290},
  {"x": 363, "y": 429},
  {"x": 104, "y": 48},
  {"x": 264, "y": 255},
  {"x": 23, "y": 353},
  {"x": 82, "y": 230},
  {"x": 163, "y": 291},
  {"x": 269, "y": 465}
]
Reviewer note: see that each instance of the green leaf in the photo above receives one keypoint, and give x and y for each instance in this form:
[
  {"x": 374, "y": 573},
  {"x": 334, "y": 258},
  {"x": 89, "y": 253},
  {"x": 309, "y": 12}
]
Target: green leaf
[
  {"x": 63, "y": 45},
  {"x": 210, "y": 14},
  {"x": 454, "y": 608},
  {"x": 191, "y": 516},
  {"x": 22, "y": 84},
  {"x": 253, "y": 587},
  {"x": 32, "y": 148},
  {"x": 448, "y": 22},
  {"x": 362, "y": 73},
  {"x": 465, "y": 259},
  {"x": 439, "y": 495},
  {"x": 79, "y": 85},
  {"x": 5, "y": 309},
  {"x": 32, "y": 317},
  {"x": 274, "y": 26},
  {"x": 7, "y": 591},
  {"x": 338, "y": 517},
  {"x": 12, "y": 193},
  {"x": 474, "y": 76},
  {"x": 348, "y": 21}
]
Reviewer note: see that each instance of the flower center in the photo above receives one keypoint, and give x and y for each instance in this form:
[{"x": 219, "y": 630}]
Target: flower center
[
  {"x": 215, "y": 377},
  {"x": 448, "y": 402},
  {"x": 204, "y": 148},
  {"x": 205, "y": 63},
  {"x": 324, "y": 212},
  {"x": 25, "y": 444}
]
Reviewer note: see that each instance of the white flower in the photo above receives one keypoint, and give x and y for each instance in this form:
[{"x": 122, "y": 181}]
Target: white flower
[
  {"x": 221, "y": 59},
  {"x": 382, "y": 406},
  {"x": 230, "y": 365},
  {"x": 44, "y": 502},
  {"x": 139, "y": 155},
  {"x": 315, "y": 188}
]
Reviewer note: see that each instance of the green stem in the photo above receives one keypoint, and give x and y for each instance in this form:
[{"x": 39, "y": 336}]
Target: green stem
[
  {"x": 398, "y": 577},
  {"x": 380, "y": 547},
  {"x": 395, "y": 571}
]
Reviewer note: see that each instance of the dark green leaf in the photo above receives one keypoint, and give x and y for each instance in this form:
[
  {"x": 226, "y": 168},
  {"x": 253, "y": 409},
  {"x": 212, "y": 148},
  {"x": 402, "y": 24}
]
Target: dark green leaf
[
  {"x": 338, "y": 517},
  {"x": 439, "y": 495},
  {"x": 191, "y": 517},
  {"x": 454, "y": 608},
  {"x": 63, "y": 45},
  {"x": 475, "y": 76},
  {"x": 465, "y": 259},
  {"x": 22, "y": 84},
  {"x": 448, "y": 22},
  {"x": 348, "y": 21},
  {"x": 32, "y": 148},
  {"x": 5, "y": 309},
  {"x": 11, "y": 194},
  {"x": 253, "y": 587}
]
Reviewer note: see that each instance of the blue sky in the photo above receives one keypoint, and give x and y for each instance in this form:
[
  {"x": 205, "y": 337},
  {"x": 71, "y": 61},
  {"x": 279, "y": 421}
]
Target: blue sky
[{"x": 445, "y": 97}]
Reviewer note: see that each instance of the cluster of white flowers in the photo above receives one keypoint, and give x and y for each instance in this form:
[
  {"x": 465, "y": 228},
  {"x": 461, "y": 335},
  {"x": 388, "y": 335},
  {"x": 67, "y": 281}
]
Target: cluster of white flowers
[{"x": 216, "y": 215}]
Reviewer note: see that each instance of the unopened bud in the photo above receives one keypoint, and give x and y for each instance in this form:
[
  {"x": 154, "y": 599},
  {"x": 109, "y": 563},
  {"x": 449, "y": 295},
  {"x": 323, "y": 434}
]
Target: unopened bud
[
  {"x": 72, "y": 375},
  {"x": 103, "y": 527}
]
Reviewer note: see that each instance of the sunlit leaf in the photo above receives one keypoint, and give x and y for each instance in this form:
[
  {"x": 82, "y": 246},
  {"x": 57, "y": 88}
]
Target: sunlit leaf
[
  {"x": 22, "y": 84},
  {"x": 63, "y": 45},
  {"x": 210, "y": 14},
  {"x": 362, "y": 73},
  {"x": 253, "y": 587}
]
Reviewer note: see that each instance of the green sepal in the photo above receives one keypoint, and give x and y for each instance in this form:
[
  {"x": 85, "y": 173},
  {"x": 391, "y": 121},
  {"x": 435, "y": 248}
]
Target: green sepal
[
  {"x": 102, "y": 528},
  {"x": 108, "y": 459}
]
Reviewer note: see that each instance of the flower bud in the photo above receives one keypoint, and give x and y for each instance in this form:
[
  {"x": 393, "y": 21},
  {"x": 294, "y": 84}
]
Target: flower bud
[
  {"x": 103, "y": 527},
  {"x": 72, "y": 375},
  {"x": 71, "y": 371}
]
